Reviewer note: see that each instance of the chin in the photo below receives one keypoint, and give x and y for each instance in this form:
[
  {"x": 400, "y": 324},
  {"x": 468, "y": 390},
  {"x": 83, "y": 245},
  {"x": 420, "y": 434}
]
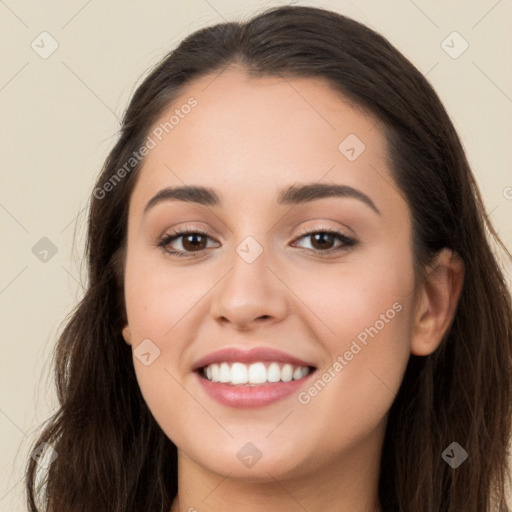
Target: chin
[{"x": 252, "y": 462}]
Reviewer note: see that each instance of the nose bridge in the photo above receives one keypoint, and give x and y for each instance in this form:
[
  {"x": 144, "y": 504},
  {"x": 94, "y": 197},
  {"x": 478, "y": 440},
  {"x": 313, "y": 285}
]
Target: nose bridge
[{"x": 250, "y": 290}]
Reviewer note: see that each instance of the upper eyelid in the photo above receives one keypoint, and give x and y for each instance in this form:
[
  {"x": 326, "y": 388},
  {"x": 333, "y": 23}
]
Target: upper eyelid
[
  {"x": 304, "y": 232},
  {"x": 311, "y": 230},
  {"x": 333, "y": 226}
]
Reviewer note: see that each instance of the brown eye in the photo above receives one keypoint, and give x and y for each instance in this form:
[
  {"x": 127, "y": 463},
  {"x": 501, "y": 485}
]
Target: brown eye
[
  {"x": 322, "y": 241},
  {"x": 191, "y": 242}
]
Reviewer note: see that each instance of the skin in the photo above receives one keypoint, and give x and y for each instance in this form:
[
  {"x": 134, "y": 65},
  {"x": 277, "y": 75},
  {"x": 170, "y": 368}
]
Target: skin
[{"x": 248, "y": 139}]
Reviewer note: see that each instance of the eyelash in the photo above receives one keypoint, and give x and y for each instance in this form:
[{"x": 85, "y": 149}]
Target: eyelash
[{"x": 347, "y": 242}]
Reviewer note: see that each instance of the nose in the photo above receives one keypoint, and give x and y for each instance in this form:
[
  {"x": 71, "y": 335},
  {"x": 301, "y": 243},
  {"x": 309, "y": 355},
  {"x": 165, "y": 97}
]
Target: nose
[{"x": 250, "y": 294}]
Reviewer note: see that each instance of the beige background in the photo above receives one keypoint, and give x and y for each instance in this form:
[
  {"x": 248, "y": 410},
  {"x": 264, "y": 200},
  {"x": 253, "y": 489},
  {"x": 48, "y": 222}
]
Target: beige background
[{"x": 60, "y": 116}]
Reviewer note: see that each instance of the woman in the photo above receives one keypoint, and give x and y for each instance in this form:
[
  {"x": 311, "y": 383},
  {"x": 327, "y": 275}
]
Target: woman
[{"x": 293, "y": 303}]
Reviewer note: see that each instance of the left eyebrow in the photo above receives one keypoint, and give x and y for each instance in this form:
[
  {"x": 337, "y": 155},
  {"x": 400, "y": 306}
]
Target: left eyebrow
[
  {"x": 297, "y": 194},
  {"x": 292, "y": 195}
]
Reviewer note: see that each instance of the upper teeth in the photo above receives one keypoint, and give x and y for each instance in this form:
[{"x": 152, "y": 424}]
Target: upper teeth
[{"x": 255, "y": 373}]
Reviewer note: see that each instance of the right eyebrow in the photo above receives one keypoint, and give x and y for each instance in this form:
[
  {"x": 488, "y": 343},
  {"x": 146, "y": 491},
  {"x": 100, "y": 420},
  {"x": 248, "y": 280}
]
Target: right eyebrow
[{"x": 191, "y": 194}]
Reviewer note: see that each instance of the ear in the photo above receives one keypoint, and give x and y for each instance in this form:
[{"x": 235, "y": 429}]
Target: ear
[
  {"x": 436, "y": 302},
  {"x": 127, "y": 335}
]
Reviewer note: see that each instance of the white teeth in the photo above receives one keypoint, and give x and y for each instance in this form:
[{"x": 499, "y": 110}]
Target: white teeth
[
  {"x": 287, "y": 373},
  {"x": 297, "y": 374},
  {"x": 255, "y": 373},
  {"x": 274, "y": 373},
  {"x": 238, "y": 373},
  {"x": 224, "y": 373},
  {"x": 215, "y": 372}
]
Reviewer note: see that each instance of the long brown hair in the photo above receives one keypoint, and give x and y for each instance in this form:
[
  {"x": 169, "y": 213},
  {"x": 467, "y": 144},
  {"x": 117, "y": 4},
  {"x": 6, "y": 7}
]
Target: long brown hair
[{"x": 112, "y": 455}]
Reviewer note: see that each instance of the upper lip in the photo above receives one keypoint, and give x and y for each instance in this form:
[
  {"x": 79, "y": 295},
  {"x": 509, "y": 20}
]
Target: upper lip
[{"x": 254, "y": 355}]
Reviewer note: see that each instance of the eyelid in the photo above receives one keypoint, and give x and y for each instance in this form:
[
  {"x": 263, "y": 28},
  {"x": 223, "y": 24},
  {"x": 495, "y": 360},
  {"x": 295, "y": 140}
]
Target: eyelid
[
  {"x": 314, "y": 229},
  {"x": 349, "y": 241}
]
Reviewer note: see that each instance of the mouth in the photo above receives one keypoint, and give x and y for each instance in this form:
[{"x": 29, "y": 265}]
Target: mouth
[
  {"x": 254, "y": 374},
  {"x": 246, "y": 385},
  {"x": 258, "y": 377}
]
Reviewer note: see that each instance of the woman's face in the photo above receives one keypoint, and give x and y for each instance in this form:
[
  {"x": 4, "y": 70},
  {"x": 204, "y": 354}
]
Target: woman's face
[{"x": 277, "y": 302}]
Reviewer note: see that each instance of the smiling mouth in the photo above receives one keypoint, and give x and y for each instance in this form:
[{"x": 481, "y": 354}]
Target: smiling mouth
[{"x": 254, "y": 374}]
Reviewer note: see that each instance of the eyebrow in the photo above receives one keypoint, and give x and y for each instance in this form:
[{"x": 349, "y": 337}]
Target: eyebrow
[{"x": 292, "y": 195}]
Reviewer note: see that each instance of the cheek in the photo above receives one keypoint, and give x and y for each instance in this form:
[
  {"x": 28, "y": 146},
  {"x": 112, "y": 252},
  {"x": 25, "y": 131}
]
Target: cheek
[
  {"x": 362, "y": 316},
  {"x": 158, "y": 296},
  {"x": 354, "y": 394},
  {"x": 157, "y": 305},
  {"x": 349, "y": 298},
  {"x": 162, "y": 304}
]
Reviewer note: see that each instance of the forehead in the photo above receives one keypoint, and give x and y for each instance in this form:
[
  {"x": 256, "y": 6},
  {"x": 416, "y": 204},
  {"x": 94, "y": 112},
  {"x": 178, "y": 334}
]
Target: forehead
[{"x": 250, "y": 136}]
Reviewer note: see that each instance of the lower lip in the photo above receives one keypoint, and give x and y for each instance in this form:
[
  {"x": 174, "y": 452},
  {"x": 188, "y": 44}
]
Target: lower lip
[{"x": 245, "y": 397}]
